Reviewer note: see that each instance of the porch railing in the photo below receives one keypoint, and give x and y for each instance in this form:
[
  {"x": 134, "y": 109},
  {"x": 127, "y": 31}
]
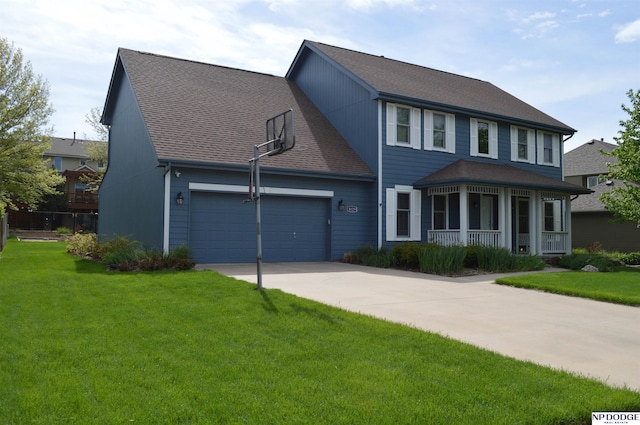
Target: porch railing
[
  {"x": 555, "y": 242},
  {"x": 474, "y": 237},
  {"x": 484, "y": 238},
  {"x": 445, "y": 237}
]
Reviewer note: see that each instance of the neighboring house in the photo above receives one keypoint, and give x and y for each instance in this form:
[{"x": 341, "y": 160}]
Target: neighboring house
[
  {"x": 79, "y": 204},
  {"x": 386, "y": 152},
  {"x": 591, "y": 223}
]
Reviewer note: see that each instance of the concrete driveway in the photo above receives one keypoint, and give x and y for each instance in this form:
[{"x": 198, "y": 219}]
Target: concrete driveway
[{"x": 590, "y": 338}]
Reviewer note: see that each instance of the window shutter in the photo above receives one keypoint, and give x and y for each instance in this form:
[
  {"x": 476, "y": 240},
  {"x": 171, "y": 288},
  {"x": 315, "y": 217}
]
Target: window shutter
[
  {"x": 473, "y": 149},
  {"x": 531, "y": 146},
  {"x": 416, "y": 143},
  {"x": 556, "y": 150},
  {"x": 514, "y": 143},
  {"x": 493, "y": 140},
  {"x": 391, "y": 214},
  {"x": 451, "y": 133},
  {"x": 540, "y": 144},
  {"x": 391, "y": 124},
  {"x": 428, "y": 130},
  {"x": 416, "y": 216}
]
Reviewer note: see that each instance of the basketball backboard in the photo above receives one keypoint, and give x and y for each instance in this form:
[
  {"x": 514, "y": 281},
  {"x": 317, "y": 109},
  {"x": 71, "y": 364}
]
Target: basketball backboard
[{"x": 280, "y": 133}]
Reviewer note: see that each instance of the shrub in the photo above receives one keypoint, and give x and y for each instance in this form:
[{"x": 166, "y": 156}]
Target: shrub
[
  {"x": 529, "y": 262},
  {"x": 471, "y": 259},
  {"x": 595, "y": 247},
  {"x": 119, "y": 246},
  {"x": 376, "y": 257},
  {"x": 442, "y": 260},
  {"x": 150, "y": 260},
  {"x": 405, "y": 255},
  {"x": 179, "y": 258},
  {"x": 83, "y": 245},
  {"x": 496, "y": 259},
  {"x": 63, "y": 231},
  {"x": 631, "y": 258},
  {"x": 578, "y": 261}
]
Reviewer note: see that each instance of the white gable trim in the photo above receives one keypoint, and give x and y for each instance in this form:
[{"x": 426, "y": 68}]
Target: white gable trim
[{"x": 284, "y": 191}]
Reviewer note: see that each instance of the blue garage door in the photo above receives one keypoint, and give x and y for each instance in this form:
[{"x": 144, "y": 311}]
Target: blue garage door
[{"x": 223, "y": 228}]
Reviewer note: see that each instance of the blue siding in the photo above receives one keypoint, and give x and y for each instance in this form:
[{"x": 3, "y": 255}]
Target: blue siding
[
  {"x": 346, "y": 104},
  {"x": 131, "y": 194},
  {"x": 346, "y": 231}
]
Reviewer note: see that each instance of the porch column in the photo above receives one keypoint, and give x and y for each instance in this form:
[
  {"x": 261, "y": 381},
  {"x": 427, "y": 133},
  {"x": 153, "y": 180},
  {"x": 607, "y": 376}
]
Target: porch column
[
  {"x": 567, "y": 222},
  {"x": 502, "y": 219},
  {"x": 508, "y": 228},
  {"x": 535, "y": 236},
  {"x": 464, "y": 215}
]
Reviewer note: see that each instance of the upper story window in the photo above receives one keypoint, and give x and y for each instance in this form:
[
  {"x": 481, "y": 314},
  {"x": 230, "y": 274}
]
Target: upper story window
[
  {"x": 403, "y": 126},
  {"x": 439, "y": 131},
  {"x": 595, "y": 180},
  {"x": 548, "y": 149},
  {"x": 57, "y": 162},
  {"x": 403, "y": 213},
  {"x": 484, "y": 138},
  {"x": 523, "y": 144}
]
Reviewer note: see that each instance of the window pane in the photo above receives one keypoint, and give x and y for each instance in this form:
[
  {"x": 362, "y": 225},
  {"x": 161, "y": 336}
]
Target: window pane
[
  {"x": 438, "y": 139},
  {"x": 483, "y": 138},
  {"x": 402, "y": 214},
  {"x": 548, "y": 217},
  {"x": 522, "y": 144},
  {"x": 402, "y": 226},
  {"x": 403, "y": 116},
  {"x": 439, "y": 122},
  {"x": 404, "y": 123},
  {"x": 548, "y": 148},
  {"x": 403, "y": 134}
]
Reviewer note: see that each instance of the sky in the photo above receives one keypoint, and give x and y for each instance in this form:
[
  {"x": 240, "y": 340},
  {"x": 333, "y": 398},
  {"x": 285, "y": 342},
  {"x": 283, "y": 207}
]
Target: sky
[{"x": 573, "y": 59}]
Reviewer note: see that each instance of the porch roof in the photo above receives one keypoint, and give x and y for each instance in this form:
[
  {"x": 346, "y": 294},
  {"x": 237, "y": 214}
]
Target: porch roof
[{"x": 474, "y": 172}]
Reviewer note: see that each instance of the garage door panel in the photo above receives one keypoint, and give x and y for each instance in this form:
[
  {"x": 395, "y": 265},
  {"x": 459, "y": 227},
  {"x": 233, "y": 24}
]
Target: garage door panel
[{"x": 223, "y": 229}]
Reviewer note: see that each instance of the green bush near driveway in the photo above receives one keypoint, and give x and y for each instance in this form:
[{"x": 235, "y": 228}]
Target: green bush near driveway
[{"x": 85, "y": 345}]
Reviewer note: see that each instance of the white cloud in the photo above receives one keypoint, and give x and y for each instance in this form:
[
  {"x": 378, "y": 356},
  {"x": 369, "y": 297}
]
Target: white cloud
[
  {"x": 628, "y": 33},
  {"x": 538, "y": 16},
  {"x": 368, "y": 4}
]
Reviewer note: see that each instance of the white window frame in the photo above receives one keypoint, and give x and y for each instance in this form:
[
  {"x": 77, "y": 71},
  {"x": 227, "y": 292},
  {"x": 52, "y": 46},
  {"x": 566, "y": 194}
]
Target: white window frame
[
  {"x": 555, "y": 146},
  {"x": 531, "y": 145},
  {"x": 493, "y": 139},
  {"x": 415, "y": 200},
  {"x": 414, "y": 126},
  {"x": 450, "y": 132}
]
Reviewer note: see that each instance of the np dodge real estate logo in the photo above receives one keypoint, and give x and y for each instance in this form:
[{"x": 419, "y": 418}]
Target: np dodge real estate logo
[{"x": 615, "y": 418}]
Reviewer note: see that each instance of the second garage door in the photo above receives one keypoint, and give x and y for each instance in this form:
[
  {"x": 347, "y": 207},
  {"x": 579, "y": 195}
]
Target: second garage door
[{"x": 223, "y": 228}]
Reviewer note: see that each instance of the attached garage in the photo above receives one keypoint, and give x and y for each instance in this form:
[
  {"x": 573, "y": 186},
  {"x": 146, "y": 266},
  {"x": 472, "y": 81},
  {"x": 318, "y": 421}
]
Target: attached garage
[{"x": 223, "y": 228}]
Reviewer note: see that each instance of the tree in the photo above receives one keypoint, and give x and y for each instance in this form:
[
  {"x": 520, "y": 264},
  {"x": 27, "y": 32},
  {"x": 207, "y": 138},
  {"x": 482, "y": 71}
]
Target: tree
[
  {"x": 25, "y": 177},
  {"x": 97, "y": 150},
  {"x": 624, "y": 201}
]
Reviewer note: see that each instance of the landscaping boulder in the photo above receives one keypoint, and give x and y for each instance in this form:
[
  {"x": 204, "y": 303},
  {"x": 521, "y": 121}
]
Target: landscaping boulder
[{"x": 590, "y": 268}]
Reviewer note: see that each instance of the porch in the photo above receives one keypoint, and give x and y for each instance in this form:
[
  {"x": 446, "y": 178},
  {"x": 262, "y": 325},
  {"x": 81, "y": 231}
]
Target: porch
[{"x": 521, "y": 220}]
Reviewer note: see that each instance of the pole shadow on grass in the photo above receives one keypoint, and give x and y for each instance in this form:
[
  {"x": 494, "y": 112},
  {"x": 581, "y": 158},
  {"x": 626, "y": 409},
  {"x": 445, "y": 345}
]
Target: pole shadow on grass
[{"x": 268, "y": 305}]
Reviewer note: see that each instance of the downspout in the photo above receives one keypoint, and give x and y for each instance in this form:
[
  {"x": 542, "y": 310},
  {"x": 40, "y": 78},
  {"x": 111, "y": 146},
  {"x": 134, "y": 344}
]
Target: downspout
[
  {"x": 167, "y": 208},
  {"x": 379, "y": 173}
]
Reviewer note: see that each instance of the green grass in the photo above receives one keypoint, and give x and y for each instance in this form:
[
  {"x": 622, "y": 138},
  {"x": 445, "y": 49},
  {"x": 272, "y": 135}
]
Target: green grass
[
  {"x": 83, "y": 345},
  {"x": 620, "y": 287}
]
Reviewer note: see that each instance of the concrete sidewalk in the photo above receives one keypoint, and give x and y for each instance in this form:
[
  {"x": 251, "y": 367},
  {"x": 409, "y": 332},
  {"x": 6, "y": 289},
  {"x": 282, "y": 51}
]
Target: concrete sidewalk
[{"x": 589, "y": 338}]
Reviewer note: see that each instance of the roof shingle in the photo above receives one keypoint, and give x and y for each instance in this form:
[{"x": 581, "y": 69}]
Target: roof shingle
[
  {"x": 392, "y": 77},
  {"x": 206, "y": 113},
  {"x": 474, "y": 172},
  {"x": 588, "y": 160}
]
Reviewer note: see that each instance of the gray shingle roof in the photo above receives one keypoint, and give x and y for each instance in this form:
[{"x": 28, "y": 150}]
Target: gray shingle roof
[
  {"x": 68, "y": 148},
  {"x": 474, "y": 172},
  {"x": 587, "y": 160},
  {"x": 392, "y": 77},
  {"x": 206, "y": 113}
]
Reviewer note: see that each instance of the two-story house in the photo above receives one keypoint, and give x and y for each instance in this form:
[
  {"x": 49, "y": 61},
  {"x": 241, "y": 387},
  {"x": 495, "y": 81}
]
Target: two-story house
[
  {"x": 386, "y": 152},
  {"x": 591, "y": 224},
  {"x": 77, "y": 206}
]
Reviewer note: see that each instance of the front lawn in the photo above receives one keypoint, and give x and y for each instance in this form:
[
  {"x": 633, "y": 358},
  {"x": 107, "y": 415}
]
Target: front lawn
[
  {"x": 621, "y": 287},
  {"x": 84, "y": 345}
]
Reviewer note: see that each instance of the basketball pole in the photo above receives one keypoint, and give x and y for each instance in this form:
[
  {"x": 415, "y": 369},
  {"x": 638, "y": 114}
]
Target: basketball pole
[{"x": 256, "y": 154}]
